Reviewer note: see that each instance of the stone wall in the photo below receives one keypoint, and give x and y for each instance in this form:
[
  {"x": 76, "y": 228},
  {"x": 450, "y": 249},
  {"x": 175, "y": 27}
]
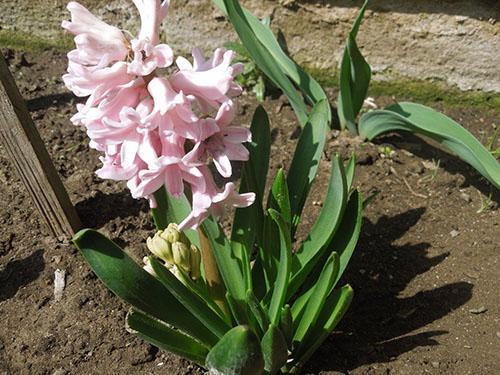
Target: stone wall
[{"x": 457, "y": 42}]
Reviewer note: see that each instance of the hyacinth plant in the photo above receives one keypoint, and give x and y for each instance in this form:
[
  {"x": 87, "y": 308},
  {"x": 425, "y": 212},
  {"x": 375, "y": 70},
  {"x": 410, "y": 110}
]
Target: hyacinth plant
[
  {"x": 238, "y": 304},
  {"x": 254, "y": 301}
]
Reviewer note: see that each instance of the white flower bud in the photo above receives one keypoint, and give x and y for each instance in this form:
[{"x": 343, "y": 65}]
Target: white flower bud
[
  {"x": 182, "y": 256},
  {"x": 160, "y": 247}
]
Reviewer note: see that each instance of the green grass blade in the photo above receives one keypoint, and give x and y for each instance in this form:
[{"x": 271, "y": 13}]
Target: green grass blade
[
  {"x": 191, "y": 301},
  {"x": 131, "y": 283},
  {"x": 419, "y": 119},
  {"x": 164, "y": 337},
  {"x": 317, "y": 299},
  {"x": 263, "y": 58},
  {"x": 280, "y": 286},
  {"x": 306, "y": 159},
  {"x": 314, "y": 246},
  {"x": 354, "y": 79}
]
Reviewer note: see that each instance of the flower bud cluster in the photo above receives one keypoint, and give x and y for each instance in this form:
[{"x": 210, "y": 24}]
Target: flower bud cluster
[
  {"x": 157, "y": 130},
  {"x": 174, "y": 248}
]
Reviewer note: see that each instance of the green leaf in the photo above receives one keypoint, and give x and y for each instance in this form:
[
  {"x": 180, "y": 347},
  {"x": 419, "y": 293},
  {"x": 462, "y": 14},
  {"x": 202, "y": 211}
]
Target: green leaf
[
  {"x": 257, "y": 311},
  {"x": 237, "y": 353},
  {"x": 345, "y": 240},
  {"x": 283, "y": 275},
  {"x": 349, "y": 171},
  {"x": 286, "y": 325},
  {"x": 314, "y": 246},
  {"x": 333, "y": 310},
  {"x": 164, "y": 337},
  {"x": 279, "y": 199},
  {"x": 306, "y": 159},
  {"x": 274, "y": 349},
  {"x": 262, "y": 56},
  {"x": 355, "y": 76},
  {"x": 191, "y": 301},
  {"x": 247, "y": 223},
  {"x": 423, "y": 120},
  {"x": 160, "y": 212},
  {"x": 228, "y": 264},
  {"x": 134, "y": 285},
  {"x": 314, "y": 306},
  {"x": 309, "y": 87}
]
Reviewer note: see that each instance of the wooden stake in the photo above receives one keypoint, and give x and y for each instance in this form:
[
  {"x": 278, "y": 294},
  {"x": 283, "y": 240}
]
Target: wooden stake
[{"x": 22, "y": 142}]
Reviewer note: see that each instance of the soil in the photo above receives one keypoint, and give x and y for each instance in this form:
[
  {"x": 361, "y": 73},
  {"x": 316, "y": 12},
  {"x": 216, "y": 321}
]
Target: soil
[{"x": 425, "y": 272}]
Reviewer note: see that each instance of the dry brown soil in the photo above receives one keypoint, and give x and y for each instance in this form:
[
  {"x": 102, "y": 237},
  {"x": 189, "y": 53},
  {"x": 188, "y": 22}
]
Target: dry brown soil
[{"x": 425, "y": 272}]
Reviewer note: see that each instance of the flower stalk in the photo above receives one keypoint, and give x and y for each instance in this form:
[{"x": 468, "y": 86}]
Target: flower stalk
[{"x": 213, "y": 278}]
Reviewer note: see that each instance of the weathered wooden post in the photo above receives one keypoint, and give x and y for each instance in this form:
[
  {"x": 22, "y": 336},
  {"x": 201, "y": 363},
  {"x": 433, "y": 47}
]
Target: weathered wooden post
[{"x": 20, "y": 138}]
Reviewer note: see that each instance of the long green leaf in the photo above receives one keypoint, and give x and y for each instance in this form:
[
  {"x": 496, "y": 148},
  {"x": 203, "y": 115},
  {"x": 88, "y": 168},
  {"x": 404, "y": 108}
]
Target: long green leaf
[
  {"x": 307, "y": 84},
  {"x": 324, "y": 228},
  {"x": 349, "y": 171},
  {"x": 355, "y": 76},
  {"x": 164, "y": 337},
  {"x": 283, "y": 274},
  {"x": 306, "y": 159},
  {"x": 248, "y": 222},
  {"x": 314, "y": 306},
  {"x": 257, "y": 311},
  {"x": 160, "y": 212},
  {"x": 191, "y": 301},
  {"x": 263, "y": 58},
  {"x": 423, "y": 120},
  {"x": 137, "y": 287},
  {"x": 333, "y": 310},
  {"x": 343, "y": 242}
]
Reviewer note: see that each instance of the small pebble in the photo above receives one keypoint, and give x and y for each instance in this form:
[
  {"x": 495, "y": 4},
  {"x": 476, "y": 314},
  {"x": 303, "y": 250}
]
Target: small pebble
[
  {"x": 466, "y": 197},
  {"x": 480, "y": 310},
  {"x": 435, "y": 364},
  {"x": 454, "y": 233}
]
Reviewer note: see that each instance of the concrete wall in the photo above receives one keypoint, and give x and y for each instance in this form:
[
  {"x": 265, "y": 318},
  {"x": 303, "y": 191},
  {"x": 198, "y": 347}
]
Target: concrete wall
[{"x": 456, "y": 41}]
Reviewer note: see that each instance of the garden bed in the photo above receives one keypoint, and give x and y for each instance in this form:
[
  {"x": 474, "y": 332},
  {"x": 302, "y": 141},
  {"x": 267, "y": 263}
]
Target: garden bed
[{"x": 425, "y": 273}]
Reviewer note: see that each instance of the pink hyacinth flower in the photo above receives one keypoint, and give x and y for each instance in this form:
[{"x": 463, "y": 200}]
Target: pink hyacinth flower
[
  {"x": 176, "y": 113},
  {"x": 215, "y": 203},
  {"x": 209, "y": 82},
  {"x": 223, "y": 146},
  {"x": 97, "y": 42},
  {"x": 168, "y": 170}
]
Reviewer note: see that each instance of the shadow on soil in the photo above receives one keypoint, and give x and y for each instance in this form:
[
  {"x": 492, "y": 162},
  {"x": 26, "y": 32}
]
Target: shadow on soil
[
  {"x": 450, "y": 163},
  {"x": 379, "y": 324},
  {"x": 480, "y": 9},
  {"x": 19, "y": 273},
  {"x": 98, "y": 210},
  {"x": 46, "y": 101}
]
